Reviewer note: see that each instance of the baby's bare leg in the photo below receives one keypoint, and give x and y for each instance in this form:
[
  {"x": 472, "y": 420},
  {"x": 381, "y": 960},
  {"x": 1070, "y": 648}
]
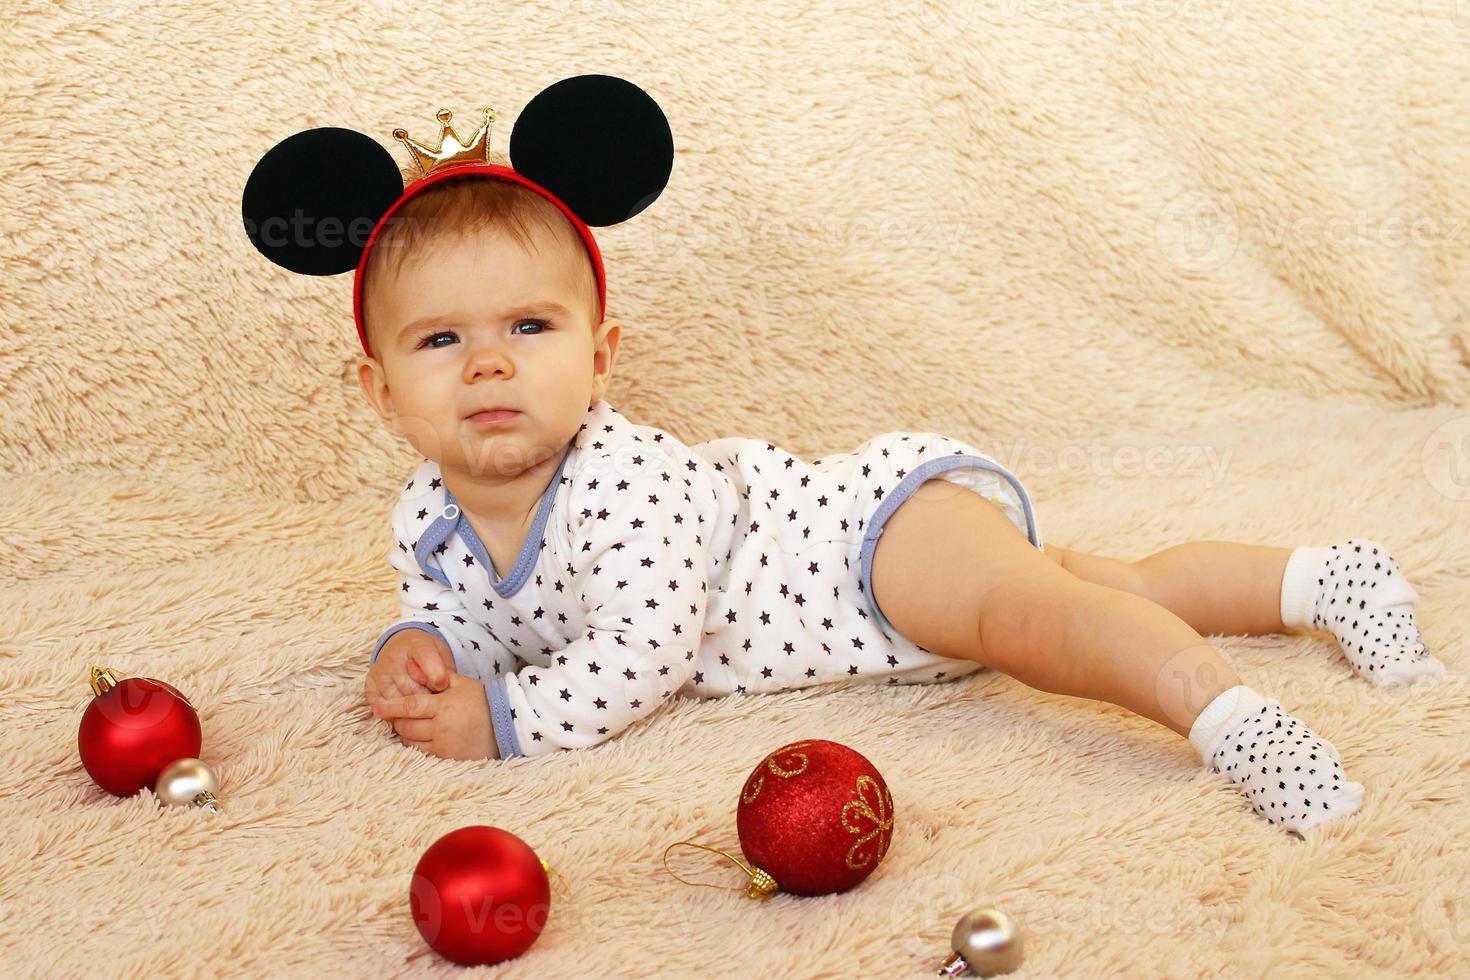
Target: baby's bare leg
[
  {"x": 1126, "y": 650},
  {"x": 956, "y": 577},
  {"x": 1217, "y": 587},
  {"x": 1220, "y": 587},
  {"x": 1118, "y": 647},
  {"x": 1354, "y": 590}
]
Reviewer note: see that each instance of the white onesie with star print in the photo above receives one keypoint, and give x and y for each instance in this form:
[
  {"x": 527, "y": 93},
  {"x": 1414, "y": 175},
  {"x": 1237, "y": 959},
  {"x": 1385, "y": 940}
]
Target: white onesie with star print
[{"x": 654, "y": 568}]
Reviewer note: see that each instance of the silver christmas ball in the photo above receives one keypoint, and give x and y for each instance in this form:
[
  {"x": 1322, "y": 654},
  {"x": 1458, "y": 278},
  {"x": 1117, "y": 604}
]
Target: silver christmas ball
[
  {"x": 188, "y": 782},
  {"x": 987, "y": 941}
]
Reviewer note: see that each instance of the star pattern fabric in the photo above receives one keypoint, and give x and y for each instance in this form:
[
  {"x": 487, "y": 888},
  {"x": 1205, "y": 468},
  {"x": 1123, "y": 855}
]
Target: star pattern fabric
[{"x": 656, "y": 568}]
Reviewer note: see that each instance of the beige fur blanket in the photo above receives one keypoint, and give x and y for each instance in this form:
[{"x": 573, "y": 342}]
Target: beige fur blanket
[{"x": 1192, "y": 269}]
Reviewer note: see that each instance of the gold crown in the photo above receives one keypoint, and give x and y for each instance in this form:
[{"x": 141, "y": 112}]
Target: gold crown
[{"x": 451, "y": 151}]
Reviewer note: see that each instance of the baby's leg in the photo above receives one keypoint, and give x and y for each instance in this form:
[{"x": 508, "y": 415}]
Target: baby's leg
[
  {"x": 1354, "y": 590},
  {"x": 956, "y": 577},
  {"x": 1132, "y": 652},
  {"x": 1365, "y": 601},
  {"x": 1217, "y": 587}
]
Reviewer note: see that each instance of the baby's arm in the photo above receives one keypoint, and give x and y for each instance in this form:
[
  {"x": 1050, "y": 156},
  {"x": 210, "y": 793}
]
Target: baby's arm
[{"x": 641, "y": 576}]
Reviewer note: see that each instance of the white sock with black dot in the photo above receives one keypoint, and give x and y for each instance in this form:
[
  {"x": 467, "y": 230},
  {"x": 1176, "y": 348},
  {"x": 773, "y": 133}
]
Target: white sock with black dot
[
  {"x": 1291, "y": 775},
  {"x": 1356, "y": 591}
]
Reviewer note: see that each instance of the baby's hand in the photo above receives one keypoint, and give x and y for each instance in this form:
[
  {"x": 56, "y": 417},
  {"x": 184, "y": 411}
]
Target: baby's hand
[
  {"x": 452, "y": 724},
  {"x": 411, "y": 661}
]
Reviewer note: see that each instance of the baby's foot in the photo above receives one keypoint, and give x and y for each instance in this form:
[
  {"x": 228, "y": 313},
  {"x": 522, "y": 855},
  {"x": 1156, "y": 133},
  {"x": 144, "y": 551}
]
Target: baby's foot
[
  {"x": 1291, "y": 775},
  {"x": 1356, "y": 591}
]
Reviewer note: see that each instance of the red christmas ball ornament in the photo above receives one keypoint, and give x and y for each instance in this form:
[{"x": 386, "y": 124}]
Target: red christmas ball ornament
[
  {"x": 132, "y": 729},
  {"x": 815, "y": 817},
  {"x": 480, "y": 895}
]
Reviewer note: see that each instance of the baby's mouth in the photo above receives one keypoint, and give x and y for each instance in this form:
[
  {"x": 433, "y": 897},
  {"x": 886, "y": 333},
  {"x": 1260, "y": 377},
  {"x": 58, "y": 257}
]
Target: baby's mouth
[{"x": 497, "y": 416}]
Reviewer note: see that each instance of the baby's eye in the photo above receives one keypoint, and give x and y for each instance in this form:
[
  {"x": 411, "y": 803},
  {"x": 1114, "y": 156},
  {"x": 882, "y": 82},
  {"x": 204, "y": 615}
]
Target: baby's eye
[{"x": 428, "y": 341}]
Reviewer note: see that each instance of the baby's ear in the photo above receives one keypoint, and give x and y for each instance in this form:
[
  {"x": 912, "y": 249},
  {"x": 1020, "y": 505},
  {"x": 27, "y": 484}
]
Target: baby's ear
[{"x": 374, "y": 382}]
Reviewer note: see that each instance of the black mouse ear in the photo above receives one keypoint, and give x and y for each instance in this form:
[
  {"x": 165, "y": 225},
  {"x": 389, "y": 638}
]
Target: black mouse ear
[
  {"x": 598, "y": 142},
  {"x": 312, "y": 201}
]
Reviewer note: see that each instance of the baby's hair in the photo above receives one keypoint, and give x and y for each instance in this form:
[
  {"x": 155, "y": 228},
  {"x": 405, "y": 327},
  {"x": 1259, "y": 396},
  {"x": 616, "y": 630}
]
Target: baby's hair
[{"x": 461, "y": 205}]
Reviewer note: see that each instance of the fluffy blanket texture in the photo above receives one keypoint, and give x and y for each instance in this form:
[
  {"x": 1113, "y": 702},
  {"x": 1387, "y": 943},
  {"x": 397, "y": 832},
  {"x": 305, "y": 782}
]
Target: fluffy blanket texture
[{"x": 1192, "y": 269}]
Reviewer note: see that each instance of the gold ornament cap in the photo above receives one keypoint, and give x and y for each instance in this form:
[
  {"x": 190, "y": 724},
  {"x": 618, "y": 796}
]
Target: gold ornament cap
[{"x": 103, "y": 679}]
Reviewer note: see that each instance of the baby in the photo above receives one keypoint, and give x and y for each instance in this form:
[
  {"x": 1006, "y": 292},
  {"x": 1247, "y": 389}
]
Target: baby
[{"x": 563, "y": 571}]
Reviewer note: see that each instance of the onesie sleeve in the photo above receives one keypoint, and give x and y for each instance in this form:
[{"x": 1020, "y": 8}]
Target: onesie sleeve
[
  {"x": 638, "y": 570},
  {"x": 429, "y": 605}
]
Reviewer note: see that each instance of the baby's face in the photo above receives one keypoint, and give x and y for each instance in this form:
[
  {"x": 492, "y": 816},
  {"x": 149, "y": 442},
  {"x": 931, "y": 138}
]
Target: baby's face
[{"x": 475, "y": 322}]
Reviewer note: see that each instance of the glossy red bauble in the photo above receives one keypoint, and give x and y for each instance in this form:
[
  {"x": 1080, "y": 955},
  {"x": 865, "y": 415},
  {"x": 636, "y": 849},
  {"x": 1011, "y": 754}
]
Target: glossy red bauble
[
  {"x": 816, "y": 816},
  {"x": 132, "y": 729},
  {"x": 479, "y": 895}
]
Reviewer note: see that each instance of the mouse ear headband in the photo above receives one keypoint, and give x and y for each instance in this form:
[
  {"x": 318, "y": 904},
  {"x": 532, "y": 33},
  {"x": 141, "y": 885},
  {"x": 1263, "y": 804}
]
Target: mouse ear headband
[{"x": 596, "y": 146}]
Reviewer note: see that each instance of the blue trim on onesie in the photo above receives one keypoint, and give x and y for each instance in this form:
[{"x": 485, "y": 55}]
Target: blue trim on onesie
[
  {"x": 906, "y": 488},
  {"x": 505, "y": 731},
  {"x": 452, "y": 520}
]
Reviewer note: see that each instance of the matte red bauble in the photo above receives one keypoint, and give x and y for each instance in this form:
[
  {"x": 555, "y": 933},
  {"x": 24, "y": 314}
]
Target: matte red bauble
[
  {"x": 479, "y": 895},
  {"x": 132, "y": 729},
  {"x": 815, "y": 816}
]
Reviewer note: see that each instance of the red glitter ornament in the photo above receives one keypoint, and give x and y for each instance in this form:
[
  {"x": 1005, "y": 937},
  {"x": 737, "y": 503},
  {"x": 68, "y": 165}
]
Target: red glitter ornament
[
  {"x": 133, "y": 729},
  {"x": 816, "y": 817},
  {"x": 480, "y": 895}
]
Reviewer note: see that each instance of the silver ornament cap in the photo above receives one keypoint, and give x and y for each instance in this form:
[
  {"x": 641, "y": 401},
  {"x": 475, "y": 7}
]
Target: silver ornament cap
[
  {"x": 188, "y": 782},
  {"x": 986, "y": 942}
]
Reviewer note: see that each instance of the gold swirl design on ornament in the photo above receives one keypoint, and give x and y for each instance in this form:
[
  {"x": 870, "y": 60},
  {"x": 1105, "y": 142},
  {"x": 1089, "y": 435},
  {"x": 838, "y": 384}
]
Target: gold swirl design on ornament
[
  {"x": 864, "y": 810},
  {"x": 770, "y": 763}
]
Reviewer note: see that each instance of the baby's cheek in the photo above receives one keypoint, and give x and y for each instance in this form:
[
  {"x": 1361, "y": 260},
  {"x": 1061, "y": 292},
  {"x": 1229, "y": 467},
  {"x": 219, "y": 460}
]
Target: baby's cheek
[{"x": 421, "y": 435}]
